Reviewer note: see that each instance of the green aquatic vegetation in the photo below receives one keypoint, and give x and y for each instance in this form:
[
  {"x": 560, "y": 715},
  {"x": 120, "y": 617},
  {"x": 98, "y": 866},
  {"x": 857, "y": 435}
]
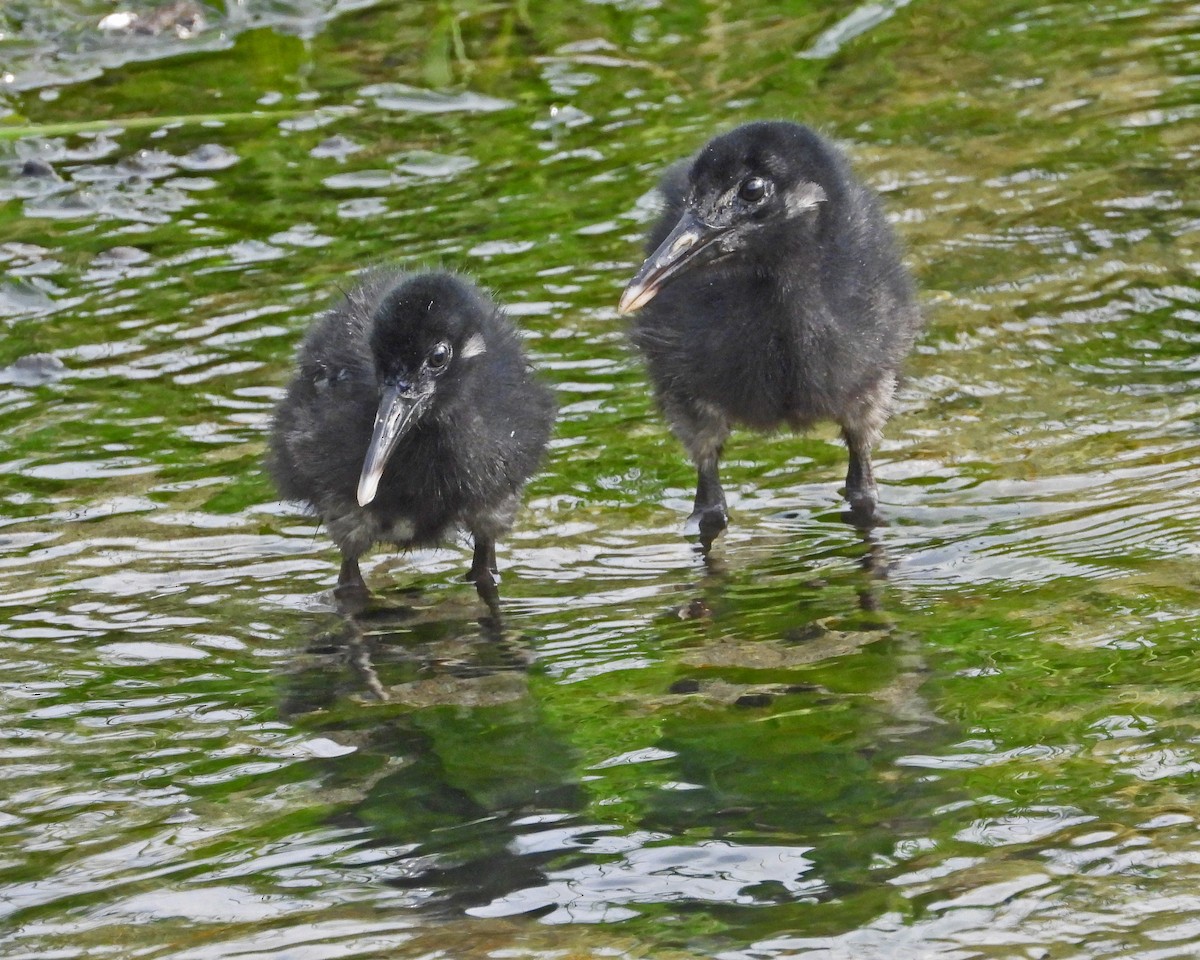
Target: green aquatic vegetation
[{"x": 972, "y": 731}]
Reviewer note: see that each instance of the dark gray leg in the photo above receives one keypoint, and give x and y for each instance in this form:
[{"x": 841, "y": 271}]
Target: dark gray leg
[
  {"x": 351, "y": 593},
  {"x": 860, "y": 478},
  {"x": 861, "y": 431},
  {"x": 483, "y": 562},
  {"x": 703, "y": 430},
  {"x": 485, "y": 576},
  {"x": 709, "y": 512},
  {"x": 351, "y": 576}
]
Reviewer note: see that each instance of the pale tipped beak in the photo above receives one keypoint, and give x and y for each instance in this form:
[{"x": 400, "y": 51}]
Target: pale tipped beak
[
  {"x": 675, "y": 255},
  {"x": 399, "y": 409}
]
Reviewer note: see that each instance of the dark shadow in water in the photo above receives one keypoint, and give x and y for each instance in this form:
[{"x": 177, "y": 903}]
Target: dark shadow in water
[
  {"x": 453, "y": 753},
  {"x": 405, "y": 638},
  {"x": 875, "y": 564},
  {"x": 795, "y": 694},
  {"x": 354, "y": 601},
  {"x": 473, "y": 793},
  {"x": 873, "y": 561}
]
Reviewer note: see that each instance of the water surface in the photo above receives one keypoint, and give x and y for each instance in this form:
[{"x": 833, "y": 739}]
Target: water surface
[{"x": 972, "y": 734}]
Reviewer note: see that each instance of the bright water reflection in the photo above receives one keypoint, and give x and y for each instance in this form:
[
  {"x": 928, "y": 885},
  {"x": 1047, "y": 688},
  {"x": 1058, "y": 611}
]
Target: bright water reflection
[{"x": 971, "y": 735}]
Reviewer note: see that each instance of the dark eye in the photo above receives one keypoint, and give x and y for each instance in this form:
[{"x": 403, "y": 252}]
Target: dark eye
[
  {"x": 753, "y": 189},
  {"x": 439, "y": 356}
]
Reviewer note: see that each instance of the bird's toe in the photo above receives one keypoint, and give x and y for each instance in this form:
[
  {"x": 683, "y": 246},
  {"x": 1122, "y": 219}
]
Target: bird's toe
[
  {"x": 482, "y": 575},
  {"x": 706, "y": 523},
  {"x": 864, "y": 510},
  {"x": 351, "y": 592},
  {"x": 352, "y": 598}
]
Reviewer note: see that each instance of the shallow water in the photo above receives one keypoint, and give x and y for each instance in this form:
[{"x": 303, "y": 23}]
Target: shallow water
[{"x": 972, "y": 735}]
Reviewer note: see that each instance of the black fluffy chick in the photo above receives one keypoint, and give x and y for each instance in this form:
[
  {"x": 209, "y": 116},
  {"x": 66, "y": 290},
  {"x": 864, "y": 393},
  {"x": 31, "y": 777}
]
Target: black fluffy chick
[
  {"x": 773, "y": 296},
  {"x": 413, "y": 414}
]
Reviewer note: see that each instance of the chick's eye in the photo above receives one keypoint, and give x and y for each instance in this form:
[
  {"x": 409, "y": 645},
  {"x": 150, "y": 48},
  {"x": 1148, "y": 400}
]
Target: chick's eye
[
  {"x": 439, "y": 356},
  {"x": 753, "y": 189}
]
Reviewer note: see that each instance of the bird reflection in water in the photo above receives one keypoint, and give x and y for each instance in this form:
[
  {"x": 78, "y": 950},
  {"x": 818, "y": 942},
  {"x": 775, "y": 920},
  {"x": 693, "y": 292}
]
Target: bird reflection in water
[
  {"x": 762, "y": 622},
  {"x": 417, "y": 650}
]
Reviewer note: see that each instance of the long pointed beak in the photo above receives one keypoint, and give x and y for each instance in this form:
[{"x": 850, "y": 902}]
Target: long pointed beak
[
  {"x": 682, "y": 250},
  {"x": 398, "y": 411}
]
